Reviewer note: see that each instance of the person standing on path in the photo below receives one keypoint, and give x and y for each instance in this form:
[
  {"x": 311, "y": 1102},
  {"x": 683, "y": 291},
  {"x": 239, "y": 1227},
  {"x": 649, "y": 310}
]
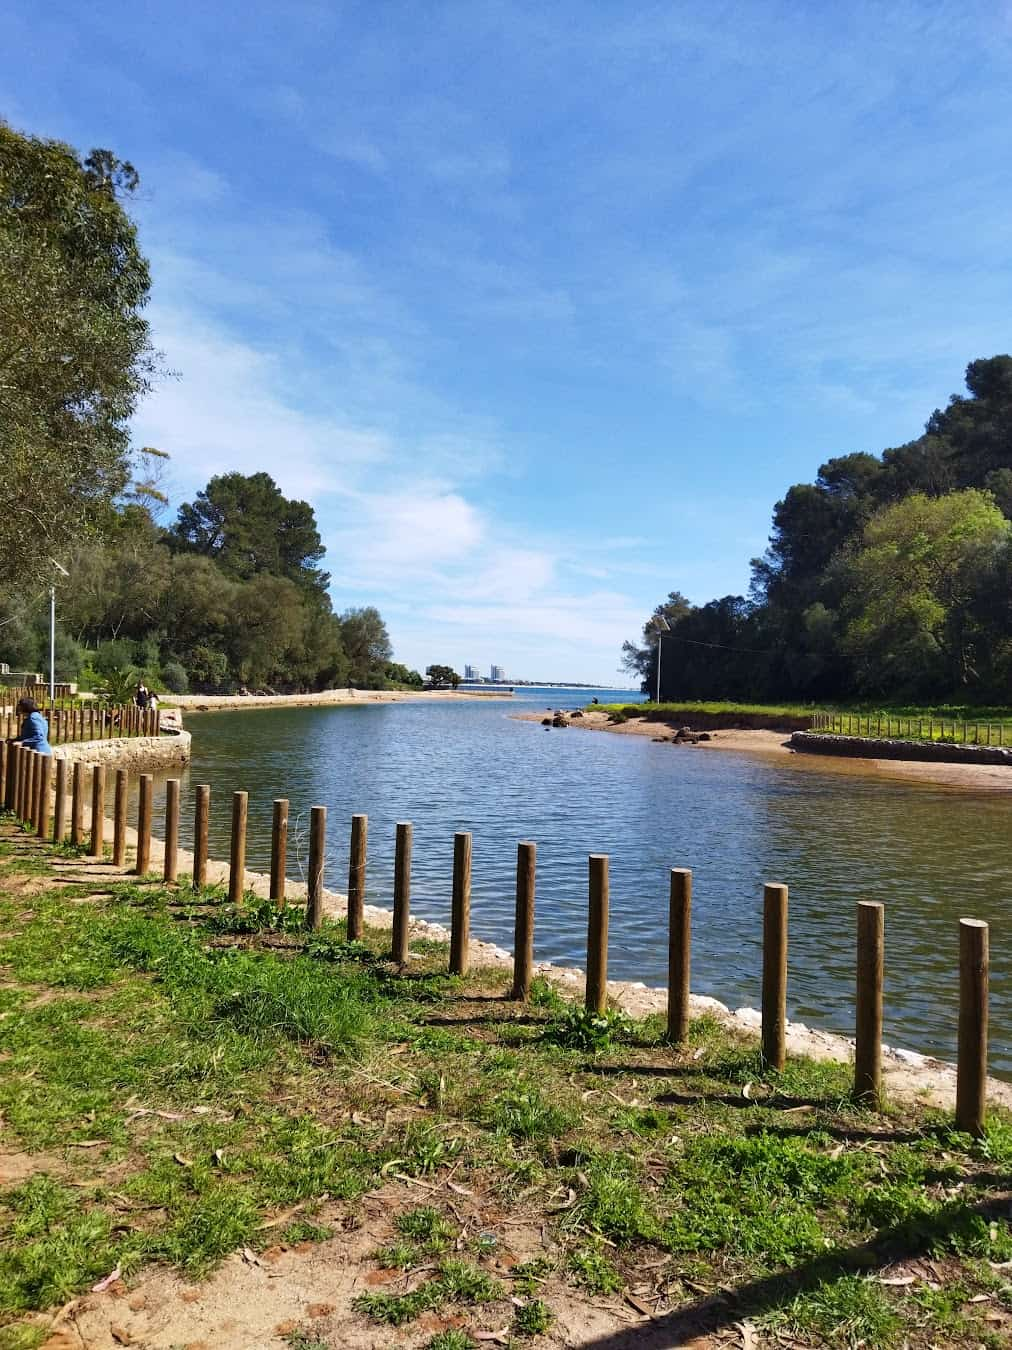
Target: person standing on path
[{"x": 34, "y": 727}]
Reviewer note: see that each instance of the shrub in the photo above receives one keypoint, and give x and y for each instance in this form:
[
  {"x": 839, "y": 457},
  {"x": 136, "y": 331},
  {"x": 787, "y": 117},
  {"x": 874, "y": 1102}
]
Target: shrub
[{"x": 174, "y": 678}]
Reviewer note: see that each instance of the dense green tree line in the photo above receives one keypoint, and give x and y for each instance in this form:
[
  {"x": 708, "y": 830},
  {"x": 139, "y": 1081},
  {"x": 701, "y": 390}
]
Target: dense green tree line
[
  {"x": 889, "y": 576},
  {"x": 233, "y": 591}
]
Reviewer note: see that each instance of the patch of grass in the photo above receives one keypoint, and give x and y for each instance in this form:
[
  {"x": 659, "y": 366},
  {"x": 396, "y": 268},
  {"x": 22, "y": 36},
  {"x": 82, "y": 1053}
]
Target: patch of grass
[
  {"x": 526, "y": 1115},
  {"x": 848, "y": 1312},
  {"x": 593, "y": 1270},
  {"x": 426, "y": 1226},
  {"x": 454, "y": 1339},
  {"x": 530, "y": 1275},
  {"x": 533, "y": 1319},
  {"x": 458, "y": 1282},
  {"x": 579, "y": 1028}
]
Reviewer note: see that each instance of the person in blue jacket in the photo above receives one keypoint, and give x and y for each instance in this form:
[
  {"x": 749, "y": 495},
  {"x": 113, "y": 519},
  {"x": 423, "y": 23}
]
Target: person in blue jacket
[{"x": 34, "y": 728}]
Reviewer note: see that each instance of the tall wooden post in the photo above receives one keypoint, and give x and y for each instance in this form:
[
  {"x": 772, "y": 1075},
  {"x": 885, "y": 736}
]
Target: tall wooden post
[
  {"x": 119, "y": 817},
  {"x": 279, "y": 849},
  {"x": 171, "y": 864},
  {"x": 45, "y": 772},
  {"x": 145, "y": 806},
  {"x": 32, "y": 815},
  {"x": 60, "y": 811},
  {"x": 774, "y": 1001},
  {"x": 314, "y": 882},
  {"x": 402, "y": 892},
  {"x": 4, "y": 759},
  {"x": 523, "y": 936},
  {"x": 237, "y": 863},
  {"x": 77, "y": 806},
  {"x": 460, "y": 907},
  {"x": 201, "y": 820},
  {"x": 971, "y": 1070},
  {"x": 597, "y": 934},
  {"x": 868, "y": 1030},
  {"x": 97, "y": 810},
  {"x": 10, "y": 776},
  {"x": 679, "y": 954},
  {"x": 356, "y": 877}
]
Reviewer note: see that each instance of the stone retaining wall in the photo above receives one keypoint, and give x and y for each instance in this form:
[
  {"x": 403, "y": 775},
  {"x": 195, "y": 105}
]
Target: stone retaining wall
[
  {"x": 134, "y": 752},
  {"x": 870, "y": 747}
]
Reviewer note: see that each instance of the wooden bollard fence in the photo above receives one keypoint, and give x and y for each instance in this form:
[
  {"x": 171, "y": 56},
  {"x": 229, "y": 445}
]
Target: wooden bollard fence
[
  {"x": 145, "y": 801},
  {"x": 679, "y": 954},
  {"x": 868, "y": 1022},
  {"x": 402, "y": 892},
  {"x": 60, "y": 806},
  {"x": 971, "y": 1069},
  {"x": 523, "y": 937},
  {"x": 45, "y": 774},
  {"x": 201, "y": 821},
  {"x": 356, "y": 877},
  {"x": 279, "y": 849},
  {"x": 774, "y": 999},
  {"x": 314, "y": 882},
  {"x": 597, "y": 935},
  {"x": 97, "y": 810},
  {"x": 32, "y": 787},
  {"x": 119, "y": 817},
  {"x": 237, "y": 853},
  {"x": 4, "y": 757},
  {"x": 77, "y": 806},
  {"x": 171, "y": 863},
  {"x": 460, "y": 908}
]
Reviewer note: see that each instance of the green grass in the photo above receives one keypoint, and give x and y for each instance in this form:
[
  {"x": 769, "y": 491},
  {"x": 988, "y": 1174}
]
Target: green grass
[
  {"x": 685, "y": 709},
  {"x": 193, "y": 1071}
]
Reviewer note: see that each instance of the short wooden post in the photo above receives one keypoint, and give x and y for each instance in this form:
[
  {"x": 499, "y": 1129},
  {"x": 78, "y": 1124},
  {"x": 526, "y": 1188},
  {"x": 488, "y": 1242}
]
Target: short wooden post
[
  {"x": 314, "y": 883},
  {"x": 170, "y": 868},
  {"x": 460, "y": 907},
  {"x": 119, "y": 817},
  {"x": 4, "y": 757},
  {"x": 45, "y": 772},
  {"x": 679, "y": 954},
  {"x": 201, "y": 820},
  {"x": 597, "y": 934},
  {"x": 279, "y": 849},
  {"x": 77, "y": 806},
  {"x": 971, "y": 1070},
  {"x": 237, "y": 859},
  {"x": 774, "y": 1000},
  {"x": 402, "y": 892},
  {"x": 145, "y": 806},
  {"x": 10, "y": 755},
  {"x": 356, "y": 877},
  {"x": 868, "y": 1028},
  {"x": 33, "y": 790},
  {"x": 97, "y": 810},
  {"x": 523, "y": 937},
  {"x": 60, "y": 811}
]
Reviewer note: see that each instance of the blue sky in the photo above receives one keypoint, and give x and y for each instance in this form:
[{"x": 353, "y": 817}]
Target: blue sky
[{"x": 543, "y": 306}]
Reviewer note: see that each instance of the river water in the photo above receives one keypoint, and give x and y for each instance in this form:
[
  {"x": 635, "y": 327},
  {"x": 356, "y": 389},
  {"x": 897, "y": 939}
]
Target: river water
[{"x": 832, "y": 834}]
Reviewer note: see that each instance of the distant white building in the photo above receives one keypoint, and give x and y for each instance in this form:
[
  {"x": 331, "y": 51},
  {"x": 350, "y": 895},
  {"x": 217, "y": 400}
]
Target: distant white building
[
  {"x": 472, "y": 673},
  {"x": 497, "y": 675}
]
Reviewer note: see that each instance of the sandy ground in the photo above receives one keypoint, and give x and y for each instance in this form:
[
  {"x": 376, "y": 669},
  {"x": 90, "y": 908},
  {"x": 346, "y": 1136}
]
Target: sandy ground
[
  {"x": 979, "y": 777},
  {"x": 326, "y": 698}
]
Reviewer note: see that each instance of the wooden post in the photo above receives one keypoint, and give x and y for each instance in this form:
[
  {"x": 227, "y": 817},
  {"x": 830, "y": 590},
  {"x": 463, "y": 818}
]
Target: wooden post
[
  {"x": 679, "y": 954},
  {"x": 60, "y": 812},
  {"x": 37, "y": 790},
  {"x": 402, "y": 892},
  {"x": 597, "y": 934},
  {"x": 10, "y": 755},
  {"x": 145, "y": 801},
  {"x": 119, "y": 817},
  {"x": 868, "y": 1037},
  {"x": 77, "y": 806},
  {"x": 31, "y": 787},
  {"x": 971, "y": 1070},
  {"x": 523, "y": 936},
  {"x": 774, "y": 1001},
  {"x": 460, "y": 907},
  {"x": 45, "y": 772},
  {"x": 356, "y": 877},
  {"x": 237, "y": 863},
  {"x": 171, "y": 865},
  {"x": 97, "y": 809},
  {"x": 279, "y": 849},
  {"x": 4, "y": 759},
  {"x": 202, "y": 816},
  {"x": 314, "y": 882}
]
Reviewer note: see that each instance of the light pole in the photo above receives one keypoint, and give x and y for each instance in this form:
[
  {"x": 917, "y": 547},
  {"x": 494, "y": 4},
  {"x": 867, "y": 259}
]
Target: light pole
[
  {"x": 660, "y": 626},
  {"x": 52, "y": 633}
]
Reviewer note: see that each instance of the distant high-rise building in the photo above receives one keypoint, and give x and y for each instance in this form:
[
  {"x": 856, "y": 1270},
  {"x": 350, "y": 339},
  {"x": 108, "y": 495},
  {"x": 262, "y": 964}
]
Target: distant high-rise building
[
  {"x": 472, "y": 673},
  {"x": 497, "y": 675}
]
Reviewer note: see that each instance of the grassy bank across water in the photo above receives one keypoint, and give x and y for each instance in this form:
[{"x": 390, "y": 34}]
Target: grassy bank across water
[
  {"x": 202, "y": 1101},
  {"x": 797, "y": 716}
]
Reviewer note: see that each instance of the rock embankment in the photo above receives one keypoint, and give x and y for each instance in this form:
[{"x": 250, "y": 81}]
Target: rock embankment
[{"x": 871, "y": 747}]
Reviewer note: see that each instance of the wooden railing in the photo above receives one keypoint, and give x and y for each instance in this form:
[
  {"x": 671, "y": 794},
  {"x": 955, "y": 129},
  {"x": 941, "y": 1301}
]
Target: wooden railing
[{"x": 71, "y": 721}]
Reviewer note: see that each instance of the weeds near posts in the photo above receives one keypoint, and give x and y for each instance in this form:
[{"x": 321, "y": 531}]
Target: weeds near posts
[{"x": 580, "y": 1028}]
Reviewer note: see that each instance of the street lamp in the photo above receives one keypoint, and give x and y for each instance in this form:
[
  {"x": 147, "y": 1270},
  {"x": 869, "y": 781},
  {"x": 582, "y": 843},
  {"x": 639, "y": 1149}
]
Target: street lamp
[
  {"x": 52, "y": 633},
  {"x": 659, "y": 625}
]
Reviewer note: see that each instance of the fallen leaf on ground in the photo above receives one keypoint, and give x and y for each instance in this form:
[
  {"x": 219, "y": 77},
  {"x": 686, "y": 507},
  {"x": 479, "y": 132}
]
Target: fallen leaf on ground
[{"x": 109, "y": 1279}]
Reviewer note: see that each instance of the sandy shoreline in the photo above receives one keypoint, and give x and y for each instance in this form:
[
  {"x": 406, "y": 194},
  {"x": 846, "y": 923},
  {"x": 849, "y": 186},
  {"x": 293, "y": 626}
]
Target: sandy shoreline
[
  {"x": 977, "y": 777},
  {"x": 326, "y": 698}
]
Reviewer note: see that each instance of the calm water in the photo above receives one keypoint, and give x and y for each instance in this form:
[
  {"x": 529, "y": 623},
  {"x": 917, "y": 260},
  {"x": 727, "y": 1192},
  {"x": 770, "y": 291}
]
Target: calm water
[{"x": 834, "y": 836}]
